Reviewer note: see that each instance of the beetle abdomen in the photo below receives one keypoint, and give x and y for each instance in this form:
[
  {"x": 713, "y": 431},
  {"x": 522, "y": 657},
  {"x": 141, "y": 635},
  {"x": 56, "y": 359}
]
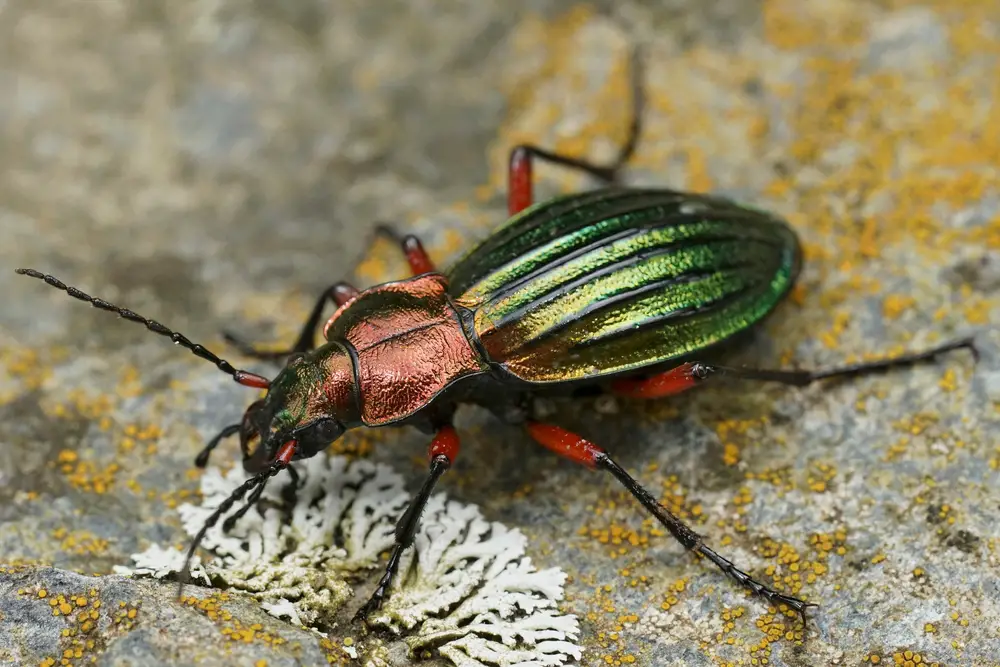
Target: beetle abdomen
[{"x": 616, "y": 280}]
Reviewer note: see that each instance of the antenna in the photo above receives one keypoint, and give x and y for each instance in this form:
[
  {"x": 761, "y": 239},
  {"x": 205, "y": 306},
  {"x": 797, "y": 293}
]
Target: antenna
[{"x": 245, "y": 378}]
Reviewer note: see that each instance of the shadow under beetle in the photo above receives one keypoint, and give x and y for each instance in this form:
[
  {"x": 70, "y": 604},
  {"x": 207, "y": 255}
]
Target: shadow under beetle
[{"x": 633, "y": 290}]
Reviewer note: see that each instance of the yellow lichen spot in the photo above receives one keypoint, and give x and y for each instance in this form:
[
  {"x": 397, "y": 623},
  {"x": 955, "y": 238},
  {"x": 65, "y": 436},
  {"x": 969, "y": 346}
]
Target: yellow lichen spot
[
  {"x": 820, "y": 475},
  {"x": 730, "y": 454},
  {"x": 898, "y": 449},
  {"x": 894, "y": 305},
  {"x": 831, "y": 338},
  {"x": 977, "y": 312},
  {"x": 878, "y": 558},
  {"x": 42, "y": 593},
  {"x": 948, "y": 382}
]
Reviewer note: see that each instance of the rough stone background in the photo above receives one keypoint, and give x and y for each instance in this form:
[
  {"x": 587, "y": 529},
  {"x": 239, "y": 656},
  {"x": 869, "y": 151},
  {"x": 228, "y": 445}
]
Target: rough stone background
[{"x": 216, "y": 163}]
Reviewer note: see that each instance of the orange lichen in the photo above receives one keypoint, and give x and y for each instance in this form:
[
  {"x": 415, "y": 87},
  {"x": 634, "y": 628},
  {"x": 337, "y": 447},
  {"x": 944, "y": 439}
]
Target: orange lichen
[
  {"x": 335, "y": 653},
  {"x": 238, "y": 632},
  {"x": 127, "y": 615},
  {"x": 916, "y": 424},
  {"x": 623, "y": 537},
  {"x": 129, "y": 382},
  {"x": 908, "y": 658},
  {"x": 894, "y": 305},
  {"x": 212, "y": 607},
  {"x": 733, "y": 434},
  {"x": 80, "y": 542},
  {"x": 80, "y": 642},
  {"x": 176, "y": 497},
  {"x": 780, "y": 478},
  {"x": 820, "y": 476},
  {"x": 673, "y": 595}
]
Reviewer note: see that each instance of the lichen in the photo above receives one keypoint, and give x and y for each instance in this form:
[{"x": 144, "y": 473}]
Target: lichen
[
  {"x": 466, "y": 590},
  {"x": 81, "y": 639}
]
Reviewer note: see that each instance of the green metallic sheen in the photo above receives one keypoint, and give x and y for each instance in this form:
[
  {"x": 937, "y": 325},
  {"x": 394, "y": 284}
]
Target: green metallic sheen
[{"x": 616, "y": 280}]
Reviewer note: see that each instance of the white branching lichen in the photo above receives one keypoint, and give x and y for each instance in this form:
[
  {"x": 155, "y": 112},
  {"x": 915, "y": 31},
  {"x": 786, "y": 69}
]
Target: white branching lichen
[{"x": 466, "y": 589}]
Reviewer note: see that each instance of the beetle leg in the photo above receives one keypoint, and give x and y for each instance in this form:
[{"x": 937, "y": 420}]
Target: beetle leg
[
  {"x": 688, "y": 375},
  {"x": 587, "y": 453},
  {"x": 289, "y": 492},
  {"x": 442, "y": 452},
  {"x": 520, "y": 183},
  {"x": 663, "y": 384},
  {"x": 202, "y": 459},
  {"x": 418, "y": 259},
  {"x": 339, "y": 294}
]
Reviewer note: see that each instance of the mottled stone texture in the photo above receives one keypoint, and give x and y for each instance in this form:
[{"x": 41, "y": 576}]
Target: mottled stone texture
[{"x": 214, "y": 163}]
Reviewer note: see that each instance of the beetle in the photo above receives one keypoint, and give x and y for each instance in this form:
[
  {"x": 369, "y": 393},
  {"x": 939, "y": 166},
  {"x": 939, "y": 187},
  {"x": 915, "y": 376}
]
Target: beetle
[{"x": 632, "y": 290}]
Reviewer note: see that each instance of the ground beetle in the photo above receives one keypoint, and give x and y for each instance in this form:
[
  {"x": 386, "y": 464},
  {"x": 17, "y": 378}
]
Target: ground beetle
[{"x": 632, "y": 290}]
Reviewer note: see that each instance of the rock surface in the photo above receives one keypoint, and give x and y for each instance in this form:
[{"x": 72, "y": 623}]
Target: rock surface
[{"x": 218, "y": 163}]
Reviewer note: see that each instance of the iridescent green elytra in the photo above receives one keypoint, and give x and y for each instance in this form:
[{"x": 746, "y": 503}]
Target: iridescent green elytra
[{"x": 616, "y": 280}]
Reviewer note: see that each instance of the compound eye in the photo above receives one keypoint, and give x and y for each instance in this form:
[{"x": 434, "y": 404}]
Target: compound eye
[
  {"x": 318, "y": 435},
  {"x": 326, "y": 430}
]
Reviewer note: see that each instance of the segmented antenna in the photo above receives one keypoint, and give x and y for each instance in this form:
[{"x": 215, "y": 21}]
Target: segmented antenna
[
  {"x": 255, "y": 482},
  {"x": 243, "y": 377}
]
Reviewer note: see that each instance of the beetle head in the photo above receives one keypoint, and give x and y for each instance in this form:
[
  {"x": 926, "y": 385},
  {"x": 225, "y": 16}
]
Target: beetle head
[{"x": 310, "y": 403}]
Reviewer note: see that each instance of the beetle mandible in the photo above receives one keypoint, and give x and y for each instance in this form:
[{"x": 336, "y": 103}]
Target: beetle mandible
[{"x": 633, "y": 290}]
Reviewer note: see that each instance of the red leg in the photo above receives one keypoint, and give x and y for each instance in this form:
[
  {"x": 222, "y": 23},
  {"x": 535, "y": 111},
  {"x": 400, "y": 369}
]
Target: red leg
[
  {"x": 690, "y": 374},
  {"x": 248, "y": 379},
  {"x": 341, "y": 293},
  {"x": 420, "y": 261},
  {"x": 583, "y": 451},
  {"x": 520, "y": 181},
  {"x": 519, "y": 175},
  {"x": 413, "y": 249},
  {"x": 668, "y": 383},
  {"x": 442, "y": 452},
  {"x": 565, "y": 443}
]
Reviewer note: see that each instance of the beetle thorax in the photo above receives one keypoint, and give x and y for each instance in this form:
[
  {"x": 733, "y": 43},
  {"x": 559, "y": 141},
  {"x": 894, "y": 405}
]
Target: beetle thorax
[{"x": 340, "y": 394}]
